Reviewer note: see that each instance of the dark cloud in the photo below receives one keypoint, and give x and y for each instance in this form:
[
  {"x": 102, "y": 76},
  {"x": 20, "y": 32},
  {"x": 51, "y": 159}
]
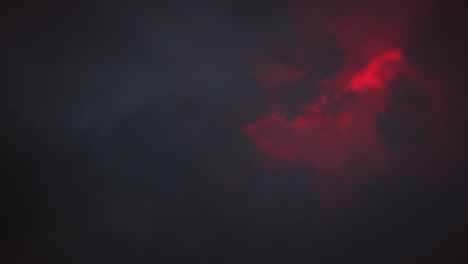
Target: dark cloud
[{"x": 406, "y": 118}]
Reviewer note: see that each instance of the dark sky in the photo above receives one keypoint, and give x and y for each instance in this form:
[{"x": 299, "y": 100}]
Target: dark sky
[{"x": 233, "y": 132}]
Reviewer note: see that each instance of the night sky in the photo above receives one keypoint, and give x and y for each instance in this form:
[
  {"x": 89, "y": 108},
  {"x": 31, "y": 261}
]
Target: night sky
[{"x": 234, "y": 131}]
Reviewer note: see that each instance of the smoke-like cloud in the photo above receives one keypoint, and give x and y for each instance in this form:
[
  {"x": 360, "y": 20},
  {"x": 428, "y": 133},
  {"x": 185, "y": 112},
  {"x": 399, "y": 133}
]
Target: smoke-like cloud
[
  {"x": 142, "y": 132},
  {"x": 346, "y": 109}
]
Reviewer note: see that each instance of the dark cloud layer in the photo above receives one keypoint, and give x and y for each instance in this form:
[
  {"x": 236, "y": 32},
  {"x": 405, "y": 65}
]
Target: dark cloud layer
[{"x": 123, "y": 136}]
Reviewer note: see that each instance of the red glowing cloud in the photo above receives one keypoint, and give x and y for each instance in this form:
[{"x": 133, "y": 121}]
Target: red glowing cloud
[
  {"x": 336, "y": 129},
  {"x": 325, "y": 140}
]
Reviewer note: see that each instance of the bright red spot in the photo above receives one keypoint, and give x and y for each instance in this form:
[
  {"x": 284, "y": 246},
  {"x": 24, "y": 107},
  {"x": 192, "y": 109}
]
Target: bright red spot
[{"x": 378, "y": 72}]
